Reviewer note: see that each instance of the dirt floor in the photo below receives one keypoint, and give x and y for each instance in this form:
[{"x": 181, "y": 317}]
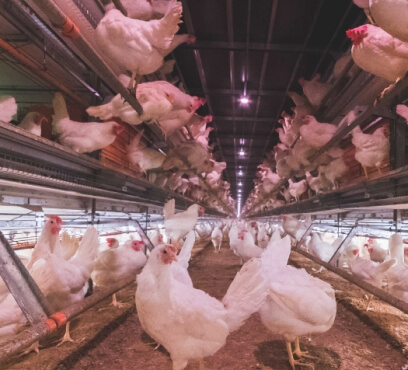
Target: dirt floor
[{"x": 112, "y": 338}]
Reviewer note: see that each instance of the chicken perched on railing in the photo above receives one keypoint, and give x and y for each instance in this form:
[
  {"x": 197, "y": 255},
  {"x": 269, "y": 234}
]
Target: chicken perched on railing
[
  {"x": 371, "y": 149},
  {"x": 83, "y": 137},
  {"x": 377, "y": 52},
  {"x": 135, "y": 45}
]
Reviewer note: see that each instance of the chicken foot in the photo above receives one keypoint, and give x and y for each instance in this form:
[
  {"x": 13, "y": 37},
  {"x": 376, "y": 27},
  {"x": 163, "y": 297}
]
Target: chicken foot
[
  {"x": 368, "y": 308},
  {"x": 294, "y": 362},
  {"x": 299, "y": 353},
  {"x": 365, "y": 171},
  {"x": 67, "y": 336},
  {"x": 116, "y": 303}
]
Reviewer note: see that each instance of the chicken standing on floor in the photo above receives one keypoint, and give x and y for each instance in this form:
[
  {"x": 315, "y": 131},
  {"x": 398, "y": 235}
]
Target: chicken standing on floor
[
  {"x": 397, "y": 275},
  {"x": 83, "y": 137},
  {"x": 65, "y": 282},
  {"x": 297, "y": 304},
  {"x": 371, "y": 149},
  {"x": 216, "y": 238},
  {"x": 116, "y": 265},
  {"x": 177, "y": 225},
  {"x": 186, "y": 321},
  {"x": 135, "y": 45}
]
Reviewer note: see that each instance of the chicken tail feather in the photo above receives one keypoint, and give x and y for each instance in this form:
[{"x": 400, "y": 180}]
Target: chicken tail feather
[{"x": 246, "y": 294}]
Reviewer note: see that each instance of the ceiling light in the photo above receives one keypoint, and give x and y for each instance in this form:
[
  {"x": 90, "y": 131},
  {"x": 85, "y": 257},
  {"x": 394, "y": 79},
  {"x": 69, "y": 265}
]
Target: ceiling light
[
  {"x": 240, "y": 184},
  {"x": 241, "y": 152},
  {"x": 244, "y": 100},
  {"x": 240, "y": 173},
  {"x": 242, "y": 141}
]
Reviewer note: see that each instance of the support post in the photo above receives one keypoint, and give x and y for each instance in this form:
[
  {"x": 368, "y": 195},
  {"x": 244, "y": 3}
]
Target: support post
[{"x": 21, "y": 285}]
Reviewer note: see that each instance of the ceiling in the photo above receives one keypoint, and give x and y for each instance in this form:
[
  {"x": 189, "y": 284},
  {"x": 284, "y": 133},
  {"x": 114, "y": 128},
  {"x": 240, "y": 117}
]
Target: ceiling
[
  {"x": 254, "y": 48},
  {"x": 259, "y": 47}
]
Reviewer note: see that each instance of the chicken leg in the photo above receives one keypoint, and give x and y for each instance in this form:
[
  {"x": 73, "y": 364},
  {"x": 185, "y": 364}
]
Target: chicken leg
[
  {"x": 116, "y": 303},
  {"x": 365, "y": 171},
  {"x": 67, "y": 336},
  {"x": 299, "y": 353},
  {"x": 368, "y": 308},
  {"x": 294, "y": 362}
]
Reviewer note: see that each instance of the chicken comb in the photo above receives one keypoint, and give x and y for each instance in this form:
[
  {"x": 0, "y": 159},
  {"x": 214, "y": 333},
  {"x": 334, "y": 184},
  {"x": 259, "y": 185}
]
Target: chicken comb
[{"x": 56, "y": 218}]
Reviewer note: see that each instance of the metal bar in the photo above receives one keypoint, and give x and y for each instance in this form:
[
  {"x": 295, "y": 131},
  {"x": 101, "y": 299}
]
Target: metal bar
[
  {"x": 25, "y": 291},
  {"x": 59, "y": 19},
  {"x": 143, "y": 235},
  {"x": 345, "y": 241},
  {"x": 388, "y": 298},
  {"x": 254, "y": 46},
  {"x": 41, "y": 330}
]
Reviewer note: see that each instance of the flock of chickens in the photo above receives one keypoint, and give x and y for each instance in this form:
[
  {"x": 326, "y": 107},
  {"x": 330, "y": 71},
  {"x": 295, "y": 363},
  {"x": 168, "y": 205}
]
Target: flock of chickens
[
  {"x": 146, "y": 40},
  {"x": 290, "y": 302},
  {"x": 292, "y": 168}
]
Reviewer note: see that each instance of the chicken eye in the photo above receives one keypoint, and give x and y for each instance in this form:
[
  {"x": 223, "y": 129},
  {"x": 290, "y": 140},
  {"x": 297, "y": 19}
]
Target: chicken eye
[{"x": 164, "y": 252}]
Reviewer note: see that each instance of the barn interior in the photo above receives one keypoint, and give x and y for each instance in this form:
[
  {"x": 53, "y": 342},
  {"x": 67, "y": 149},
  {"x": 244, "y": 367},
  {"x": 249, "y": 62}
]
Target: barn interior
[{"x": 238, "y": 130}]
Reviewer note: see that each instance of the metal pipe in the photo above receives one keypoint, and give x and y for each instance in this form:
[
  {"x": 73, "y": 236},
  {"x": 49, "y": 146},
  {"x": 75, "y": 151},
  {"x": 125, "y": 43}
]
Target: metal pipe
[
  {"x": 386, "y": 297},
  {"x": 21, "y": 285},
  {"x": 70, "y": 30},
  {"x": 42, "y": 329}
]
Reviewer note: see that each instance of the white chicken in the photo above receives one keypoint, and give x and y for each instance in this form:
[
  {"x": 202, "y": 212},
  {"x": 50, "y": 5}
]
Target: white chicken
[
  {"x": 402, "y": 110},
  {"x": 397, "y": 275},
  {"x": 157, "y": 98},
  {"x": 370, "y": 271},
  {"x": 334, "y": 171},
  {"x": 243, "y": 244},
  {"x": 315, "y": 90},
  {"x": 377, "y": 52},
  {"x": 145, "y": 9},
  {"x": 296, "y": 189},
  {"x": 141, "y": 156},
  {"x": 321, "y": 249},
  {"x": 294, "y": 227},
  {"x": 371, "y": 149},
  {"x": 186, "y": 321},
  {"x": 135, "y": 45},
  {"x": 8, "y": 108},
  {"x": 64, "y": 282},
  {"x": 32, "y": 123},
  {"x": 216, "y": 238},
  {"x": 318, "y": 184},
  {"x": 83, "y": 137},
  {"x": 197, "y": 124},
  {"x": 262, "y": 237},
  {"x": 316, "y": 134},
  {"x": 187, "y": 156},
  {"x": 118, "y": 264},
  {"x": 390, "y": 15},
  {"x": 177, "y": 225},
  {"x": 297, "y": 304},
  {"x": 156, "y": 238}
]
